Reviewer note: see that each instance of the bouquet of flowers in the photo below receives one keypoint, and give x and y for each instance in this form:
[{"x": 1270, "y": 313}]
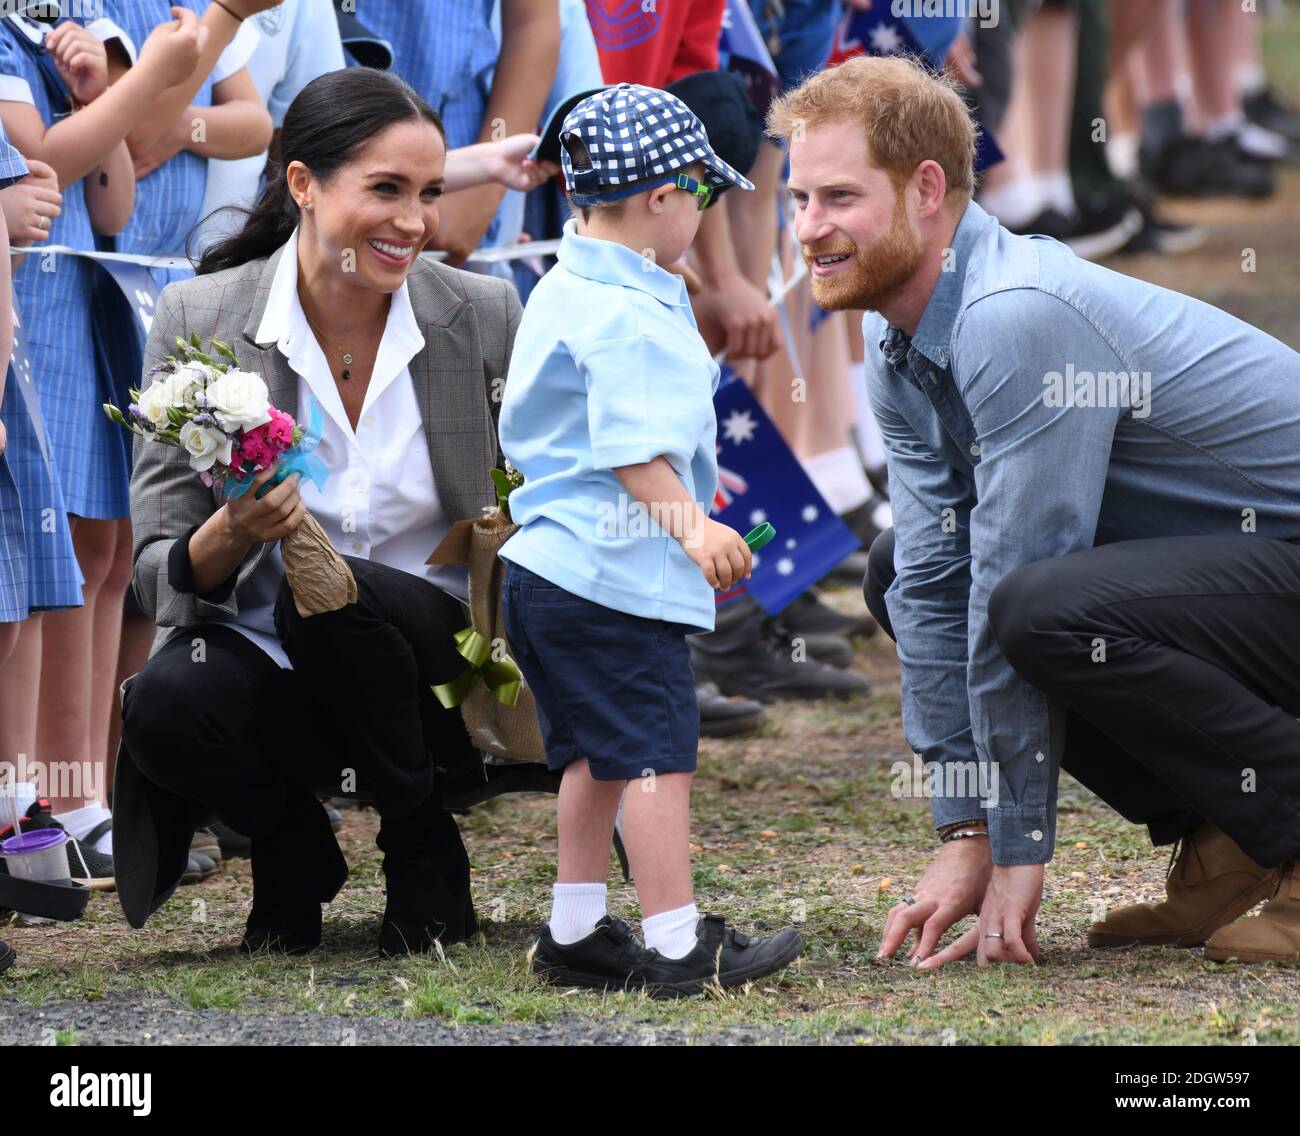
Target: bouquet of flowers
[{"x": 222, "y": 417}]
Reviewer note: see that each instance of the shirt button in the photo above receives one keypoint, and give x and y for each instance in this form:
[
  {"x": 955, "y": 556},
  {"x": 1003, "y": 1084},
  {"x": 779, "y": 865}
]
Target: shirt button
[
  {"x": 974, "y": 450},
  {"x": 1038, "y": 756},
  {"x": 1036, "y": 835},
  {"x": 357, "y": 546}
]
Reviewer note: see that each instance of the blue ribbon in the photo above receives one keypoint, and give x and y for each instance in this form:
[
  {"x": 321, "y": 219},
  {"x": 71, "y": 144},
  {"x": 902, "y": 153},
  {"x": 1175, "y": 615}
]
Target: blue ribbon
[{"x": 300, "y": 460}]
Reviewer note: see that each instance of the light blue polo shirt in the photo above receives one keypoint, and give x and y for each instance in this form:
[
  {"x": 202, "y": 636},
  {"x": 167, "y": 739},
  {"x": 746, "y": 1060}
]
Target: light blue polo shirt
[{"x": 608, "y": 369}]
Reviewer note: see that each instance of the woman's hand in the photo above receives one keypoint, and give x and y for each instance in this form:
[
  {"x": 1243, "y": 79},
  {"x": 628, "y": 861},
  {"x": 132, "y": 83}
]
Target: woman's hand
[
  {"x": 30, "y": 205},
  {"x": 81, "y": 60},
  {"x": 250, "y": 520}
]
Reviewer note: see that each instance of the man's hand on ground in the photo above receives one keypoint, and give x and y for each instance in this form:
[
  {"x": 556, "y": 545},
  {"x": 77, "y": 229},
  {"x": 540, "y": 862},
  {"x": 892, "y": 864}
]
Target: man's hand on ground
[
  {"x": 951, "y": 889},
  {"x": 1008, "y": 910}
]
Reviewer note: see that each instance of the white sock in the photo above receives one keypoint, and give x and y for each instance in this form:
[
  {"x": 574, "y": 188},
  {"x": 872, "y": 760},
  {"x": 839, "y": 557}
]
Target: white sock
[
  {"x": 575, "y": 911},
  {"x": 1225, "y": 126},
  {"x": 839, "y": 477},
  {"x": 1055, "y": 190},
  {"x": 80, "y": 821},
  {"x": 672, "y": 933},
  {"x": 1016, "y": 203},
  {"x": 1251, "y": 78}
]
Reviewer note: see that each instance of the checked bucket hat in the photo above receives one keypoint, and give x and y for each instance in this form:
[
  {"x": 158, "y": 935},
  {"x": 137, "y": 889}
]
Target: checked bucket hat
[{"x": 630, "y": 138}]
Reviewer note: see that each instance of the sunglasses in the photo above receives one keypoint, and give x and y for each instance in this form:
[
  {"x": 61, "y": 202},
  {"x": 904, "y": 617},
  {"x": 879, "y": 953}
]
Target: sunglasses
[{"x": 703, "y": 193}]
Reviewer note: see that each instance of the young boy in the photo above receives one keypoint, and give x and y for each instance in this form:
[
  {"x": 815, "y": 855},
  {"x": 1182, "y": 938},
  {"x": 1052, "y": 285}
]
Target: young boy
[{"x": 608, "y": 414}]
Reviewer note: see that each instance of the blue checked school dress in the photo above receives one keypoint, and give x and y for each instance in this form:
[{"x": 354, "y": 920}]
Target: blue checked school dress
[
  {"x": 91, "y": 456},
  {"x": 169, "y": 201},
  {"x": 38, "y": 567}
]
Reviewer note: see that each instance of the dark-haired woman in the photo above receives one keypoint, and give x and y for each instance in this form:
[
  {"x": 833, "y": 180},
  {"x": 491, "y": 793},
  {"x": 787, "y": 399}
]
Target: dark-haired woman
[{"x": 245, "y": 706}]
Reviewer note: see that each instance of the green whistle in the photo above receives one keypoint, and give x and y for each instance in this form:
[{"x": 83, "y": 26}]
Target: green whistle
[{"x": 760, "y": 535}]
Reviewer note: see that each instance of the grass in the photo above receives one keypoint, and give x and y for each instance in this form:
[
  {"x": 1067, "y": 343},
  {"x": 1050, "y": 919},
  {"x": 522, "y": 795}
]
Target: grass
[{"x": 796, "y": 825}]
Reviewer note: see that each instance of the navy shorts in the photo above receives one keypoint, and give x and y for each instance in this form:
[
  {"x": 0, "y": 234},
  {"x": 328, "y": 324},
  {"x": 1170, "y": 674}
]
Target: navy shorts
[{"x": 614, "y": 688}]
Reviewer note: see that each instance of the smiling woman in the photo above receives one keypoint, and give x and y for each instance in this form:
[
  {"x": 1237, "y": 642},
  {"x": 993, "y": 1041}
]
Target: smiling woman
[{"x": 323, "y": 294}]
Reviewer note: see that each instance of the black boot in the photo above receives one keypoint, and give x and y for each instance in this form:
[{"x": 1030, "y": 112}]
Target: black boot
[
  {"x": 749, "y": 654},
  {"x": 295, "y": 870},
  {"x": 427, "y": 870}
]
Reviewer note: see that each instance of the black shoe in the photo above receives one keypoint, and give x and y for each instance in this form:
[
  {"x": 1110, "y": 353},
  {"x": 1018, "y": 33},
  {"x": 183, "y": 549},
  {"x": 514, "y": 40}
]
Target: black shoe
[
  {"x": 7, "y": 956},
  {"x": 722, "y": 956},
  {"x": 200, "y": 867},
  {"x": 295, "y": 870},
  {"x": 1264, "y": 109},
  {"x": 748, "y": 655},
  {"x": 427, "y": 871},
  {"x": 86, "y": 866},
  {"x": 807, "y": 615},
  {"x": 610, "y": 958},
  {"x": 1091, "y": 233},
  {"x": 833, "y": 650},
  {"x": 1161, "y": 235},
  {"x": 1195, "y": 167},
  {"x": 234, "y": 845},
  {"x": 723, "y": 717}
]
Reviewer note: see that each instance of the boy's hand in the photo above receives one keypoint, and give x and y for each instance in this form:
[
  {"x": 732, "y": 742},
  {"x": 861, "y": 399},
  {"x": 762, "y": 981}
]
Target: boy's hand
[
  {"x": 80, "y": 59},
  {"x": 721, "y": 553}
]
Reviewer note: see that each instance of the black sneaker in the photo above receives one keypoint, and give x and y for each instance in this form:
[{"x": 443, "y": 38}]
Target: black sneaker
[
  {"x": 86, "y": 866},
  {"x": 1092, "y": 233},
  {"x": 1195, "y": 167},
  {"x": 722, "y": 956},
  {"x": 610, "y": 958},
  {"x": 1161, "y": 235},
  {"x": 1265, "y": 109}
]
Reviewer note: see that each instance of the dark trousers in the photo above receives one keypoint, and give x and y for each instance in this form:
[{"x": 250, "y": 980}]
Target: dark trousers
[
  {"x": 211, "y": 718},
  {"x": 1176, "y": 659}
]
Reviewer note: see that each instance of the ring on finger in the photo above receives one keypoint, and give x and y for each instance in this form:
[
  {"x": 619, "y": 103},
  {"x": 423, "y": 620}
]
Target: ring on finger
[
  {"x": 994, "y": 935},
  {"x": 910, "y": 900}
]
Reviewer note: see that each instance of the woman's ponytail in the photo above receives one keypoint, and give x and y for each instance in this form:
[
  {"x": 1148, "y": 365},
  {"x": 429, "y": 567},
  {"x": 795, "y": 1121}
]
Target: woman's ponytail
[{"x": 267, "y": 225}]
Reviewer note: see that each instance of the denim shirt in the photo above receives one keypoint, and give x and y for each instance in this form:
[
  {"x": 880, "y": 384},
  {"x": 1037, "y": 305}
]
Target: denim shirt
[{"x": 1043, "y": 406}]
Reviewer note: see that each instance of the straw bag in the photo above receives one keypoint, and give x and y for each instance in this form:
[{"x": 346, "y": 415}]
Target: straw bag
[{"x": 498, "y": 708}]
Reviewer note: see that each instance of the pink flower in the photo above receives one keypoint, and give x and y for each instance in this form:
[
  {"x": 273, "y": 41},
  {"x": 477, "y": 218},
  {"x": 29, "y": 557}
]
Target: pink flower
[
  {"x": 256, "y": 451},
  {"x": 279, "y": 431}
]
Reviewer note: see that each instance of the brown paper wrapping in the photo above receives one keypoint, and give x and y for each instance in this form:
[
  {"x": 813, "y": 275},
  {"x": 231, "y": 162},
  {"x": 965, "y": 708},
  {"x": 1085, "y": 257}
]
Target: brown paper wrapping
[
  {"x": 319, "y": 577},
  {"x": 509, "y": 732}
]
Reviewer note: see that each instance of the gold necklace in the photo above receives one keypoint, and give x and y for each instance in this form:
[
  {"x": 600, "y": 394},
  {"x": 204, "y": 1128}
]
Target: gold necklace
[{"x": 347, "y": 355}]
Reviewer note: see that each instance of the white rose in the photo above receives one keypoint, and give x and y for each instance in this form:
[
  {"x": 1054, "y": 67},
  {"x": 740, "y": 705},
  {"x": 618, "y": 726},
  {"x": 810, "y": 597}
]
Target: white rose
[
  {"x": 239, "y": 400},
  {"x": 155, "y": 400},
  {"x": 205, "y": 446},
  {"x": 184, "y": 387}
]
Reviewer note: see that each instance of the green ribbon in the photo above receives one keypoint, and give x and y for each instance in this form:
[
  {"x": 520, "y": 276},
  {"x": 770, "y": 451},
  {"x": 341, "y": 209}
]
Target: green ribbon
[{"x": 501, "y": 677}]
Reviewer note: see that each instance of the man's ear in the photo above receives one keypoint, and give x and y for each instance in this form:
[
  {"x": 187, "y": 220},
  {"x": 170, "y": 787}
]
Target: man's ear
[{"x": 931, "y": 187}]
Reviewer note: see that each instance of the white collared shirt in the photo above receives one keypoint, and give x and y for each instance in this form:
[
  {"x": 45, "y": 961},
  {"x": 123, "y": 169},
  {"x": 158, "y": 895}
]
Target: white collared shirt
[{"x": 380, "y": 502}]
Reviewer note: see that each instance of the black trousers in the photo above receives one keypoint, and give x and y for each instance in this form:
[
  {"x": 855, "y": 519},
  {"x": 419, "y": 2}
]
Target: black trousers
[
  {"x": 211, "y": 718},
  {"x": 1178, "y": 660}
]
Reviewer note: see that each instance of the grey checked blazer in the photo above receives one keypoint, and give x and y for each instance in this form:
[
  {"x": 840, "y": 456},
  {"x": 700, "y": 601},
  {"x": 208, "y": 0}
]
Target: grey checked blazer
[{"x": 469, "y": 323}]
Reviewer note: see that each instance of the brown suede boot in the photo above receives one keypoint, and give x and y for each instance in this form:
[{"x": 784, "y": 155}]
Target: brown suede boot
[
  {"x": 1271, "y": 936},
  {"x": 1211, "y": 882}
]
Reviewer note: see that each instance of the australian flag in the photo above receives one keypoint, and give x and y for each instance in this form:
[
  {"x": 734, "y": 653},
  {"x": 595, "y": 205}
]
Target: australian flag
[{"x": 760, "y": 479}]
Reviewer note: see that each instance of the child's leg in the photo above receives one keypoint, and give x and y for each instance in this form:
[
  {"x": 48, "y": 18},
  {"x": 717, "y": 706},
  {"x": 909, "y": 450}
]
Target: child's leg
[
  {"x": 656, "y": 833},
  {"x": 585, "y": 820}
]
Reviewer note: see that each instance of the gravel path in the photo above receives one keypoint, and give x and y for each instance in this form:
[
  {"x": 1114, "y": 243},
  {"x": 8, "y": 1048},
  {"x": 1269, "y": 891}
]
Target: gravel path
[{"x": 122, "y": 1020}]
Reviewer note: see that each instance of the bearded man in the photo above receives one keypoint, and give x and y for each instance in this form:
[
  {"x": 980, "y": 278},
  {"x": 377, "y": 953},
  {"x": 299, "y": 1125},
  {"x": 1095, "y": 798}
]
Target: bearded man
[{"x": 1095, "y": 563}]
